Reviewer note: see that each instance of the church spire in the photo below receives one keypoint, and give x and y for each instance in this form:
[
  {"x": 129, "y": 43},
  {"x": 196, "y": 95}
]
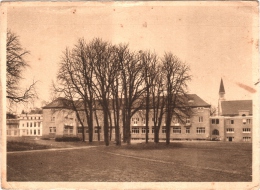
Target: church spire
[
  {"x": 221, "y": 88},
  {"x": 221, "y": 91}
]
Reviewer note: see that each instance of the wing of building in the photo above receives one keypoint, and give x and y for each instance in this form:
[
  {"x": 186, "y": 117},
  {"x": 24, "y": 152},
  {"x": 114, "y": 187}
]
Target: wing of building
[
  {"x": 59, "y": 119},
  {"x": 234, "y": 120}
]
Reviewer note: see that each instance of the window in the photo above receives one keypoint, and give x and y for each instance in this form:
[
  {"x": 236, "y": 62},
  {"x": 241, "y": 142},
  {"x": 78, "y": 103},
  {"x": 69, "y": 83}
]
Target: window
[
  {"x": 144, "y": 130},
  {"x": 177, "y": 130},
  {"x": 135, "y": 130},
  {"x": 30, "y": 124},
  {"x": 23, "y": 124},
  {"x": 246, "y": 138},
  {"x": 34, "y": 132},
  {"x": 187, "y": 120},
  {"x": 164, "y": 129},
  {"x": 79, "y": 130},
  {"x": 97, "y": 128},
  {"x": 39, "y": 124},
  {"x": 135, "y": 120},
  {"x": 213, "y": 121},
  {"x": 39, "y": 131},
  {"x": 68, "y": 129},
  {"x": 246, "y": 130},
  {"x": 50, "y": 128},
  {"x": 200, "y": 119},
  {"x": 30, "y": 132},
  {"x": 230, "y": 130},
  {"x": 200, "y": 130},
  {"x": 215, "y": 132},
  {"x": 187, "y": 130},
  {"x": 232, "y": 121},
  {"x": 143, "y": 120},
  {"x": 8, "y": 132},
  {"x": 153, "y": 130},
  {"x": 34, "y": 124},
  {"x": 248, "y": 121},
  {"x": 27, "y": 124}
]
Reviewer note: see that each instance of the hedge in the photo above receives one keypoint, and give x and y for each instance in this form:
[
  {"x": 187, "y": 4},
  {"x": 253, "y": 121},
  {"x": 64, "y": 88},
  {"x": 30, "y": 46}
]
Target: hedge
[{"x": 67, "y": 139}]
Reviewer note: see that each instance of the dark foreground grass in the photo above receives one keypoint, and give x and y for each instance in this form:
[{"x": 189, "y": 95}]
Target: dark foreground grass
[
  {"x": 23, "y": 144},
  {"x": 183, "y": 162}
]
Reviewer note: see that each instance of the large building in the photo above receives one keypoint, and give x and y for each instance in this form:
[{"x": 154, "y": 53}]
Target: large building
[
  {"x": 234, "y": 120},
  {"x": 59, "y": 120}
]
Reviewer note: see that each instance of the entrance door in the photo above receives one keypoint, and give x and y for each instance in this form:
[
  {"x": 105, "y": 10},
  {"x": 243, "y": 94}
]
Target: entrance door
[{"x": 230, "y": 139}]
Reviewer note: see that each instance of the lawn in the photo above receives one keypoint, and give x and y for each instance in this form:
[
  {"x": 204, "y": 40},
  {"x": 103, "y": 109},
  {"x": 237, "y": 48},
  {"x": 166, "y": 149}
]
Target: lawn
[
  {"x": 178, "y": 162},
  {"x": 27, "y": 143}
]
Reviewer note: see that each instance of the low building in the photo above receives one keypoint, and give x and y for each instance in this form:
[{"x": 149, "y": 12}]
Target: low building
[
  {"x": 234, "y": 120},
  {"x": 12, "y": 127}
]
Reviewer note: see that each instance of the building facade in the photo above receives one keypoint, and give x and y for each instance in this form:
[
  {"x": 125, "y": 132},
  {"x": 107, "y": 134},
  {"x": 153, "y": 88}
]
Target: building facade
[
  {"x": 59, "y": 121},
  {"x": 234, "y": 120},
  {"x": 30, "y": 124}
]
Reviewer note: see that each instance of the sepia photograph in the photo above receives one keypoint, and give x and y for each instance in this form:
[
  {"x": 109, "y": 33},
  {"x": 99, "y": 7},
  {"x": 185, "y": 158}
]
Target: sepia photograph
[{"x": 130, "y": 95}]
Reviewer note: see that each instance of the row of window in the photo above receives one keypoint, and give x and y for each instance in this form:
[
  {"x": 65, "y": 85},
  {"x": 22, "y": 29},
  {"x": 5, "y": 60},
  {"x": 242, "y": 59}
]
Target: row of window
[
  {"x": 29, "y": 132},
  {"x": 136, "y": 120},
  {"x": 31, "y": 118},
  {"x": 176, "y": 130},
  {"x": 244, "y": 130},
  {"x": 244, "y": 138},
  {"x": 231, "y": 121},
  {"x": 33, "y": 124}
]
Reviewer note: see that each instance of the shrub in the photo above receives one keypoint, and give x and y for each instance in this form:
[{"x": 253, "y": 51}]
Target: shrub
[
  {"x": 45, "y": 138},
  {"x": 67, "y": 139}
]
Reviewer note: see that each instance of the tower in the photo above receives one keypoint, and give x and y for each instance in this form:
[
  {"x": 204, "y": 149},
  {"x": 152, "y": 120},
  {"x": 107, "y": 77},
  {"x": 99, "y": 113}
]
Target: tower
[
  {"x": 221, "y": 91},
  {"x": 221, "y": 96}
]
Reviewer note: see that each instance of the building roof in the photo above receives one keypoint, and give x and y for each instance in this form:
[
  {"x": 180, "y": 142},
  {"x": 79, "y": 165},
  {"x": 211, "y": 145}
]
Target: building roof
[
  {"x": 221, "y": 88},
  {"x": 232, "y": 108},
  {"x": 196, "y": 101},
  {"x": 62, "y": 103}
]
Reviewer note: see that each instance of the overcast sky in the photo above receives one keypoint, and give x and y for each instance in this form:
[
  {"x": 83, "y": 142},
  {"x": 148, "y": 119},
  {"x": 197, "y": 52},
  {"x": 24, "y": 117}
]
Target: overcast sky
[{"x": 215, "y": 41}]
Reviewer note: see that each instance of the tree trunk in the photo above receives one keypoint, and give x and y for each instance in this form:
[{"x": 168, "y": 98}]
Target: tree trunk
[{"x": 106, "y": 124}]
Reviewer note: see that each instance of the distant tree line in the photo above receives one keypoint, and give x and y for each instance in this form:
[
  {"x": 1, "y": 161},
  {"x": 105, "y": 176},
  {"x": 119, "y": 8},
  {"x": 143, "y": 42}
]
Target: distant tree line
[{"x": 123, "y": 82}]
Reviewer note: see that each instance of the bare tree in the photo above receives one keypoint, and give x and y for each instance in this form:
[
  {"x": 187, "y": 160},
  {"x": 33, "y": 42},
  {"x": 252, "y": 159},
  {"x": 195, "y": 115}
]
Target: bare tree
[
  {"x": 75, "y": 76},
  {"x": 149, "y": 61},
  {"x": 176, "y": 76},
  {"x": 105, "y": 72},
  {"x": 15, "y": 65},
  {"x": 132, "y": 86},
  {"x": 158, "y": 101},
  {"x": 213, "y": 111}
]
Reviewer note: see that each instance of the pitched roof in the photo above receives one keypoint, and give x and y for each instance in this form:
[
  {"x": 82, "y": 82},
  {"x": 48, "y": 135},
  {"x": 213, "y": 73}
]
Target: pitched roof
[
  {"x": 197, "y": 101},
  {"x": 221, "y": 88},
  {"x": 231, "y": 108},
  {"x": 58, "y": 103},
  {"x": 62, "y": 103}
]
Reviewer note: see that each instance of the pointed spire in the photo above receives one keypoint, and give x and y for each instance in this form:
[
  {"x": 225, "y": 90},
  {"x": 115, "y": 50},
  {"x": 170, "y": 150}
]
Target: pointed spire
[{"x": 221, "y": 88}]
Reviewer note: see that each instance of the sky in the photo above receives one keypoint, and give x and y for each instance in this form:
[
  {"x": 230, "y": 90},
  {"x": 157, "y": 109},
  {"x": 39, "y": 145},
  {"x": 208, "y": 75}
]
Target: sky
[{"x": 217, "y": 40}]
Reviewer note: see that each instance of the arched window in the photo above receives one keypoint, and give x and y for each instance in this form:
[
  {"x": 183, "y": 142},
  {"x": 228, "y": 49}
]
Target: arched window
[{"x": 215, "y": 132}]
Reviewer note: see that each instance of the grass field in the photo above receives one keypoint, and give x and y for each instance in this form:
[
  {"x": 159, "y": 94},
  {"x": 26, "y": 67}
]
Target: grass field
[{"x": 180, "y": 161}]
